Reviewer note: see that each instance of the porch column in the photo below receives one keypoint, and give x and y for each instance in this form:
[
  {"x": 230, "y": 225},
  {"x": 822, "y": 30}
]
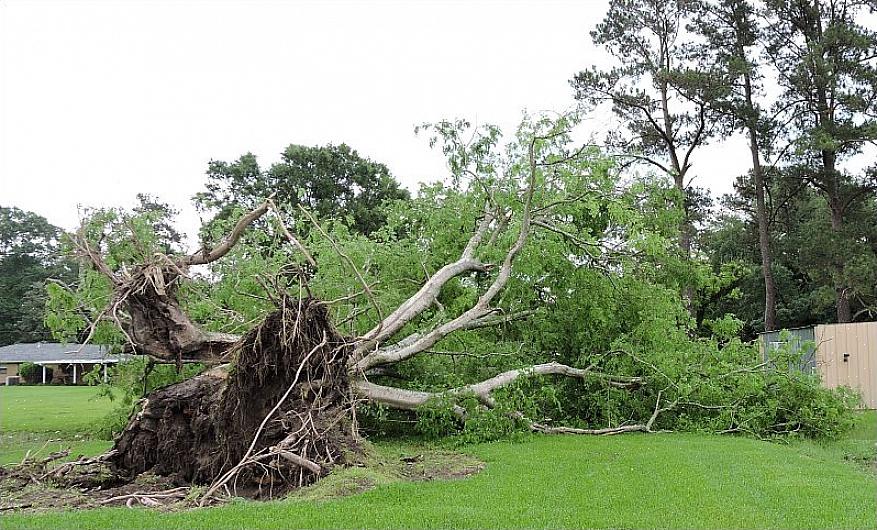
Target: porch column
[
  {"x": 44, "y": 374},
  {"x": 74, "y": 373},
  {"x": 105, "y": 372}
]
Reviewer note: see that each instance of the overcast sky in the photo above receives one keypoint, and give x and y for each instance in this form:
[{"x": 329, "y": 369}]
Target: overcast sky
[{"x": 102, "y": 100}]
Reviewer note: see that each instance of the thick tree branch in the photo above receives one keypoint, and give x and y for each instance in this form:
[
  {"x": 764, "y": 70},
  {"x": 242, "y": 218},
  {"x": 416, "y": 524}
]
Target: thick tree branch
[
  {"x": 478, "y": 311},
  {"x": 427, "y": 295},
  {"x": 412, "y": 399},
  {"x": 204, "y": 256}
]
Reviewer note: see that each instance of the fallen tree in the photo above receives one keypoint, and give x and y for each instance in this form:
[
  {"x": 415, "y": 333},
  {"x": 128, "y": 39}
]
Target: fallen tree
[{"x": 278, "y": 407}]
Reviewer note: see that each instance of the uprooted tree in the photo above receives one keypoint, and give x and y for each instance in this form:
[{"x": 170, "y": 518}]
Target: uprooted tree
[{"x": 278, "y": 406}]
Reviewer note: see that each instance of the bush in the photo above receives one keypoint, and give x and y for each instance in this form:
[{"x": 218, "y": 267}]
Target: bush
[{"x": 31, "y": 373}]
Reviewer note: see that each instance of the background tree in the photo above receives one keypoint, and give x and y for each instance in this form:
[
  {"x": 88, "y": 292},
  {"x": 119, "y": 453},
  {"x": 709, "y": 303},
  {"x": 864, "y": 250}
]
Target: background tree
[
  {"x": 823, "y": 57},
  {"x": 29, "y": 255},
  {"x": 804, "y": 252},
  {"x": 332, "y": 181},
  {"x": 663, "y": 123},
  {"x": 731, "y": 53},
  {"x": 161, "y": 216}
]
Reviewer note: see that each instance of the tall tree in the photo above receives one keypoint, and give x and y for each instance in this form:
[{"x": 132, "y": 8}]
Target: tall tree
[
  {"x": 664, "y": 125},
  {"x": 161, "y": 216},
  {"x": 29, "y": 254},
  {"x": 333, "y": 181},
  {"x": 824, "y": 58},
  {"x": 731, "y": 37}
]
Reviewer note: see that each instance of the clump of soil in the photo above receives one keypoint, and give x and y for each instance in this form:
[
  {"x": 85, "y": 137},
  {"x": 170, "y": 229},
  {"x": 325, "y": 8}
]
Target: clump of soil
[{"x": 374, "y": 467}]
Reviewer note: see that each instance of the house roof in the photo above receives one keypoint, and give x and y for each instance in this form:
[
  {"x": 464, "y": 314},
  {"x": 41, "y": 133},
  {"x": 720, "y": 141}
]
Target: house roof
[{"x": 53, "y": 352}]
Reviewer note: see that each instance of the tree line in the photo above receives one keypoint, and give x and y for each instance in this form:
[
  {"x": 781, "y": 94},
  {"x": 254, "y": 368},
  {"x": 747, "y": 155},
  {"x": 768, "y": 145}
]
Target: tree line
[{"x": 797, "y": 79}]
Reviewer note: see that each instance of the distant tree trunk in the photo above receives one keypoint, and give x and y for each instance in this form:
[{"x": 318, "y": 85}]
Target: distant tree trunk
[
  {"x": 685, "y": 227},
  {"x": 831, "y": 189},
  {"x": 770, "y": 290},
  {"x": 844, "y": 313}
]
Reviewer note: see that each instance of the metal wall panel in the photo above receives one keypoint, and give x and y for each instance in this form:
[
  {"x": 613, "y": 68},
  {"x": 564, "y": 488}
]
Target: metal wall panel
[
  {"x": 846, "y": 355},
  {"x": 796, "y": 338}
]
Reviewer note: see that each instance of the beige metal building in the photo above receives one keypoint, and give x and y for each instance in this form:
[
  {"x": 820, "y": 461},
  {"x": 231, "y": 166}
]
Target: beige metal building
[{"x": 845, "y": 354}]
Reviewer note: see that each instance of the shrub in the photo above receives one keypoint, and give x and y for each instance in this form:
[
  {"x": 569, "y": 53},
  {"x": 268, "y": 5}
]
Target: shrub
[{"x": 31, "y": 373}]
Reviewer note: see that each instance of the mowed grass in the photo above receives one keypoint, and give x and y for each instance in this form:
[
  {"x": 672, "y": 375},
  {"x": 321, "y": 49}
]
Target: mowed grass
[
  {"x": 67, "y": 409},
  {"x": 632, "y": 481},
  {"x": 38, "y": 420}
]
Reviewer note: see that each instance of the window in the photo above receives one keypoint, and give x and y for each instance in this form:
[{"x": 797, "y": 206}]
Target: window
[{"x": 2, "y": 368}]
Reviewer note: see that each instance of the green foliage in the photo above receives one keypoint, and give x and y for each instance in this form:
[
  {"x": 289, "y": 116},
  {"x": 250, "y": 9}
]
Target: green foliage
[
  {"x": 29, "y": 257},
  {"x": 334, "y": 182},
  {"x": 30, "y": 372}
]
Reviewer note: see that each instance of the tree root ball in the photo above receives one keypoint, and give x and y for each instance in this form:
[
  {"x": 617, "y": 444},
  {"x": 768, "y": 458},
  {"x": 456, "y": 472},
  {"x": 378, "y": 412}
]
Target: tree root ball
[{"x": 199, "y": 429}]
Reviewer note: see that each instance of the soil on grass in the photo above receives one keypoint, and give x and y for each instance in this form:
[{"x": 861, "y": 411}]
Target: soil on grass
[{"x": 379, "y": 466}]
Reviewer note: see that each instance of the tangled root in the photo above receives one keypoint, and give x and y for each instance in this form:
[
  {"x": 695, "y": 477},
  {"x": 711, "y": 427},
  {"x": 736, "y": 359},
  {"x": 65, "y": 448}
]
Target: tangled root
[{"x": 279, "y": 418}]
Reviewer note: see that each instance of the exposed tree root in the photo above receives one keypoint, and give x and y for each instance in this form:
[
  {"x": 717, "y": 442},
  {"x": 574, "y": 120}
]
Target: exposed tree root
[{"x": 280, "y": 418}]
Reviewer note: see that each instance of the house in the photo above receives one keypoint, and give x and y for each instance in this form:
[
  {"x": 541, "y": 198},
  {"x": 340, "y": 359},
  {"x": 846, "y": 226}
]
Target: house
[
  {"x": 842, "y": 354},
  {"x": 60, "y": 363}
]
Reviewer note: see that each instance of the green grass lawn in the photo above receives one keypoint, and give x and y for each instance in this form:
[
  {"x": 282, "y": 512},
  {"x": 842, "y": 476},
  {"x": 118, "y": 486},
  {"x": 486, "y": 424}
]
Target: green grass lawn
[
  {"x": 43, "y": 419},
  {"x": 632, "y": 481},
  {"x": 67, "y": 409}
]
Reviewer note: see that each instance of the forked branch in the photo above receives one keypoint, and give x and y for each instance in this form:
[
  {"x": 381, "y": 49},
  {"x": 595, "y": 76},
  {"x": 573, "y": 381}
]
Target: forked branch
[{"x": 369, "y": 354}]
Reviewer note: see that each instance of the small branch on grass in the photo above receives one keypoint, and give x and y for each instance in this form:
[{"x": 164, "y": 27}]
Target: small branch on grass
[
  {"x": 150, "y": 499},
  {"x": 608, "y": 431}
]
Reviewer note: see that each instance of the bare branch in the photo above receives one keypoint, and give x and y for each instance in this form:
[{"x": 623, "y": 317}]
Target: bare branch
[
  {"x": 488, "y": 321},
  {"x": 428, "y": 293},
  {"x": 412, "y": 399},
  {"x": 204, "y": 256}
]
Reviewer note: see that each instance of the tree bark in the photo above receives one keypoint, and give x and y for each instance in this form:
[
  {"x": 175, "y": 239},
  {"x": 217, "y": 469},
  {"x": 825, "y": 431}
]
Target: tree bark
[{"x": 770, "y": 290}]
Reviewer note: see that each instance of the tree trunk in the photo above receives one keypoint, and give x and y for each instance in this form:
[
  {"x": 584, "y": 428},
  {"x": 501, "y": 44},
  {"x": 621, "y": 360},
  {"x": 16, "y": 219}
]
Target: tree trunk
[
  {"x": 770, "y": 290},
  {"x": 844, "y": 312},
  {"x": 836, "y": 212},
  {"x": 686, "y": 229}
]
